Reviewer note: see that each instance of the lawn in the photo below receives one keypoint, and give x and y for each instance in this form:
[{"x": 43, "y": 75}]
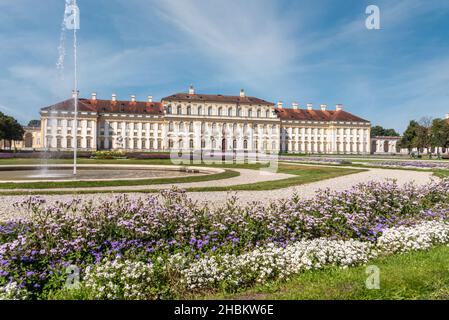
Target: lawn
[
  {"x": 302, "y": 174},
  {"x": 415, "y": 275},
  {"x": 441, "y": 173}
]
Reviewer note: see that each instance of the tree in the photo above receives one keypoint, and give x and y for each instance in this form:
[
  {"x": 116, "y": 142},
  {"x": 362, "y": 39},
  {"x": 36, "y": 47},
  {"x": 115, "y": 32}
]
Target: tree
[
  {"x": 10, "y": 129},
  {"x": 34, "y": 123},
  {"x": 379, "y": 131},
  {"x": 423, "y": 137},
  {"x": 439, "y": 134},
  {"x": 409, "y": 136}
]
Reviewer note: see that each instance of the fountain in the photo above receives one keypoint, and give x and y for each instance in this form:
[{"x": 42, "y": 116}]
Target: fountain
[{"x": 71, "y": 21}]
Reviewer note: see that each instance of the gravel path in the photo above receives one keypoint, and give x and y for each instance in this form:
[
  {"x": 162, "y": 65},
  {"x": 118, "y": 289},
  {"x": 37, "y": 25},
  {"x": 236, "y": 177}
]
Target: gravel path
[
  {"x": 309, "y": 190},
  {"x": 251, "y": 176}
]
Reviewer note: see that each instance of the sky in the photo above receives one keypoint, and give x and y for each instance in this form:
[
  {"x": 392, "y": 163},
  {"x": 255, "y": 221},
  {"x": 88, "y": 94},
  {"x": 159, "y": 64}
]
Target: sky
[{"x": 309, "y": 51}]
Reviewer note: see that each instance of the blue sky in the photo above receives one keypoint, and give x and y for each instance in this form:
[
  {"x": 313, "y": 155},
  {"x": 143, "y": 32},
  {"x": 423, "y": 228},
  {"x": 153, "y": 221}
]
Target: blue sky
[{"x": 315, "y": 51}]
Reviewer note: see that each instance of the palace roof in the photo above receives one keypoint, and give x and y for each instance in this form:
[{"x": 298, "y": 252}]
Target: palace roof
[
  {"x": 109, "y": 106},
  {"x": 216, "y": 98},
  {"x": 317, "y": 115}
]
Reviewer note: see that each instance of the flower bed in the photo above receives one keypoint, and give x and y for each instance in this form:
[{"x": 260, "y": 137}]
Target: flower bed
[
  {"x": 317, "y": 160},
  {"x": 413, "y": 164},
  {"x": 164, "y": 246}
]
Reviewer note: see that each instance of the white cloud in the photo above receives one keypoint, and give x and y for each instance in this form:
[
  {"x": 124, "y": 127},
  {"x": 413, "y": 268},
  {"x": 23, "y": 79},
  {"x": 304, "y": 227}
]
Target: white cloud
[{"x": 247, "y": 41}]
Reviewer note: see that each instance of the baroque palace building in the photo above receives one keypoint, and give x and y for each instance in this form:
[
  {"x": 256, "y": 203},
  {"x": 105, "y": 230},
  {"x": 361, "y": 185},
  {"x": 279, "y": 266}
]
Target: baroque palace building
[{"x": 203, "y": 122}]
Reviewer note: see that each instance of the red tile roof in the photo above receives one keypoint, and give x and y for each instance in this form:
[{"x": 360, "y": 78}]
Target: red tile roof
[
  {"x": 317, "y": 115},
  {"x": 216, "y": 98},
  {"x": 108, "y": 106}
]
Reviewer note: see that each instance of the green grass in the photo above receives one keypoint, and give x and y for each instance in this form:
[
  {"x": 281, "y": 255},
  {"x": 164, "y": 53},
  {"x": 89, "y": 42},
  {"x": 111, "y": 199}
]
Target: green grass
[
  {"x": 441, "y": 173},
  {"x": 302, "y": 175},
  {"x": 416, "y": 275}
]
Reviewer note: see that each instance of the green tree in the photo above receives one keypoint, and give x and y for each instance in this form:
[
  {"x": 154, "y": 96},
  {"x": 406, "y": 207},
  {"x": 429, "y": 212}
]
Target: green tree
[
  {"x": 422, "y": 139},
  {"x": 379, "y": 131},
  {"x": 439, "y": 133},
  {"x": 409, "y": 137},
  {"x": 34, "y": 123},
  {"x": 10, "y": 129}
]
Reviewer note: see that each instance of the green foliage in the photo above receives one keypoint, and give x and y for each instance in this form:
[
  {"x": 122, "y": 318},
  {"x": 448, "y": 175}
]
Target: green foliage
[
  {"x": 379, "y": 131},
  {"x": 440, "y": 133},
  {"x": 10, "y": 129},
  {"x": 34, "y": 123},
  {"x": 112, "y": 154}
]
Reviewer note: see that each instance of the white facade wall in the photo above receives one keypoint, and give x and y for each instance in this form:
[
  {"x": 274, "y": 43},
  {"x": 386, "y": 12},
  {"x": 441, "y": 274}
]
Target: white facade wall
[{"x": 204, "y": 126}]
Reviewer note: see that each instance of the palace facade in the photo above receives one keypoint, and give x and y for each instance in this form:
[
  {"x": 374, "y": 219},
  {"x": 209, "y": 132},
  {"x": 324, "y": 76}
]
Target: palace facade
[{"x": 193, "y": 122}]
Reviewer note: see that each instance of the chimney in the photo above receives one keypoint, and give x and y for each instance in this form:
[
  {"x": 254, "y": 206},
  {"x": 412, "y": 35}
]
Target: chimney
[
  {"x": 191, "y": 90},
  {"x": 133, "y": 98},
  {"x": 295, "y": 105},
  {"x": 339, "y": 107},
  {"x": 75, "y": 94},
  {"x": 310, "y": 106},
  {"x": 242, "y": 93},
  {"x": 114, "y": 97},
  {"x": 323, "y": 107},
  {"x": 280, "y": 104},
  {"x": 150, "y": 98},
  {"x": 94, "y": 96}
]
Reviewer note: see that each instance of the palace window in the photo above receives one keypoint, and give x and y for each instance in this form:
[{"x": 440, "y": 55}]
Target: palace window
[
  {"x": 170, "y": 144},
  {"x": 170, "y": 126},
  {"x": 58, "y": 143},
  {"x": 191, "y": 144},
  {"x": 230, "y": 112},
  {"x": 250, "y": 113},
  {"x": 220, "y": 111},
  {"x": 189, "y": 110},
  {"x": 245, "y": 144},
  {"x": 239, "y": 112},
  {"x": 169, "y": 109},
  {"x": 88, "y": 143},
  {"x": 200, "y": 111},
  {"x": 191, "y": 127},
  {"x": 179, "y": 110},
  {"x": 209, "y": 111},
  {"x": 69, "y": 142},
  {"x": 267, "y": 114},
  {"x": 259, "y": 113}
]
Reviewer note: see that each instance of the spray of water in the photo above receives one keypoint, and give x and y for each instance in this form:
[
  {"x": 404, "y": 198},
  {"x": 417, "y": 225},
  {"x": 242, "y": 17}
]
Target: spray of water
[
  {"x": 61, "y": 48},
  {"x": 69, "y": 22}
]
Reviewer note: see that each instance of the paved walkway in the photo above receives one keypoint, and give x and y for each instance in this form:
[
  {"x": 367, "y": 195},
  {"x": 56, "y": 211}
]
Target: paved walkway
[{"x": 251, "y": 176}]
